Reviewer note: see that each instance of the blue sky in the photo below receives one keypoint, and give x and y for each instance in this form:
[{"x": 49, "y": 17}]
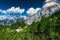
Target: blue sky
[
  {"x": 19, "y": 7},
  {"x": 22, "y": 4},
  {"x": 5, "y": 4}
]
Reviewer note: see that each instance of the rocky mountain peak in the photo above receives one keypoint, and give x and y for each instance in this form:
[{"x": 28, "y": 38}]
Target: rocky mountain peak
[{"x": 49, "y": 7}]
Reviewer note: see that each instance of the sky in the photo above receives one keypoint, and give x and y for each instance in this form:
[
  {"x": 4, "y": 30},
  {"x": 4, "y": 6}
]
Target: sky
[
  {"x": 5, "y": 4},
  {"x": 20, "y": 7}
]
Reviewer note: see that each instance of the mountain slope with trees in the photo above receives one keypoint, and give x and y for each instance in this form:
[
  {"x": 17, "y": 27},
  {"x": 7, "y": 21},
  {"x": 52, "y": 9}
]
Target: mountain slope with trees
[{"x": 46, "y": 29}]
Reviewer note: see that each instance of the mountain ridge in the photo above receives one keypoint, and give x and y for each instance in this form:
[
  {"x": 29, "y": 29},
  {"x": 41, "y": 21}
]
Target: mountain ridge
[{"x": 48, "y": 8}]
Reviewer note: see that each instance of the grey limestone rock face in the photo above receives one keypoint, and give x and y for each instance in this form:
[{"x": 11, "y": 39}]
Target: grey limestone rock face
[
  {"x": 50, "y": 7},
  {"x": 34, "y": 18}
]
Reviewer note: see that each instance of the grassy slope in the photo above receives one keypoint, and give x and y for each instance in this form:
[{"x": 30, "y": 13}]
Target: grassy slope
[{"x": 47, "y": 29}]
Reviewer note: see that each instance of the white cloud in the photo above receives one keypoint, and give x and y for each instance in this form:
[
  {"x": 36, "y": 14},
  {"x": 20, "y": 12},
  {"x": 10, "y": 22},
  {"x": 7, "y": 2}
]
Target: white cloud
[
  {"x": 13, "y": 10},
  {"x": 3, "y": 11},
  {"x": 3, "y": 17},
  {"x": 47, "y": 0},
  {"x": 24, "y": 17},
  {"x": 32, "y": 11}
]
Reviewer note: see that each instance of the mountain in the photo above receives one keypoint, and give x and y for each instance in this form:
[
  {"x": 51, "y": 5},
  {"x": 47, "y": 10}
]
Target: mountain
[
  {"x": 34, "y": 18},
  {"x": 46, "y": 29},
  {"x": 10, "y": 20},
  {"x": 49, "y": 7}
]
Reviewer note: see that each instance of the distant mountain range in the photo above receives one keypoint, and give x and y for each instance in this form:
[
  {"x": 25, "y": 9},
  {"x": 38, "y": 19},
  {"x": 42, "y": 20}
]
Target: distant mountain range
[{"x": 11, "y": 20}]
